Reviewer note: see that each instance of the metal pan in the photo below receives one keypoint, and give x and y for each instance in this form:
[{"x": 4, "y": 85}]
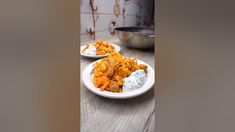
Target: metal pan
[{"x": 136, "y": 37}]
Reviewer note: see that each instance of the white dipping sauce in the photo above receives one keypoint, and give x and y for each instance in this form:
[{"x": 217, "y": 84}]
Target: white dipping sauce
[
  {"x": 135, "y": 81},
  {"x": 91, "y": 50}
]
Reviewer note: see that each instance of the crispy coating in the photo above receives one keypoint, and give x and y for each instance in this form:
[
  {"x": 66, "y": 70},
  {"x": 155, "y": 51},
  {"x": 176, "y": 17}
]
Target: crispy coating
[
  {"x": 103, "y": 47},
  {"x": 87, "y": 46}
]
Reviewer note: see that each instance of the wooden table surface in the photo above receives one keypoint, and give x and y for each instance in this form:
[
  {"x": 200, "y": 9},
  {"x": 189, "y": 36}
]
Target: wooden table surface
[{"x": 100, "y": 114}]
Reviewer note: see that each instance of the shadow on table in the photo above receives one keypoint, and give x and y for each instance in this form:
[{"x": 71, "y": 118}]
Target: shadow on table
[
  {"x": 89, "y": 59},
  {"x": 141, "y": 50}
]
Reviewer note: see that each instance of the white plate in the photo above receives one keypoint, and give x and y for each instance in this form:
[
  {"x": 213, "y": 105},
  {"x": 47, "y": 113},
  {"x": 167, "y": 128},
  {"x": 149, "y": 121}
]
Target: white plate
[
  {"x": 88, "y": 81},
  {"x": 116, "y": 48}
]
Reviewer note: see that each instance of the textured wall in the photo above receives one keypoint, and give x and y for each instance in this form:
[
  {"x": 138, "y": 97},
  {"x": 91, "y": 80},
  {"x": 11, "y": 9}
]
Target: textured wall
[{"x": 137, "y": 13}]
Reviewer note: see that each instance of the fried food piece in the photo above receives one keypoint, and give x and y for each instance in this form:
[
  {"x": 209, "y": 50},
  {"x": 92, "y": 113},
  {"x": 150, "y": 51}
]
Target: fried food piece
[
  {"x": 109, "y": 72},
  {"x": 114, "y": 87},
  {"x": 144, "y": 67},
  {"x": 87, "y": 46},
  {"x": 111, "y": 67}
]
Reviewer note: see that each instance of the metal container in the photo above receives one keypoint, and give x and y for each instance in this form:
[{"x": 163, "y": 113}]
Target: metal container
[{"x": 136, "y": 37}]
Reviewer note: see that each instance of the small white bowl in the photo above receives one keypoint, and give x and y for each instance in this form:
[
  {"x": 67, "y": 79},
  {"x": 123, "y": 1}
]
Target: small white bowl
[
  {"x": 116, "y": 48},
  {"x": 88, "y": 81}
]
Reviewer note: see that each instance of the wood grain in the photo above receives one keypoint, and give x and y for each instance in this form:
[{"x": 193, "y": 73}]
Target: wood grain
[{"x": 100, "y": 114}]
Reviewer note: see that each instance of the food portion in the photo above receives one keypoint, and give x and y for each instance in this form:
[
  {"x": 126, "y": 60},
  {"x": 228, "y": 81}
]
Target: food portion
[
  {"x": 100, "y": 47},
  {"x": 135, "y": 81},
  {"x": 111, "y": 73}
]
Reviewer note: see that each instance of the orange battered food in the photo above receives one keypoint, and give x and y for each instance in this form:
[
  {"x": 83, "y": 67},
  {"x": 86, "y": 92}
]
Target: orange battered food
[
  {"x": 109, "y": 72},
  {"x": 102, "y": 47},
  {"x": 87, "y": 46}
]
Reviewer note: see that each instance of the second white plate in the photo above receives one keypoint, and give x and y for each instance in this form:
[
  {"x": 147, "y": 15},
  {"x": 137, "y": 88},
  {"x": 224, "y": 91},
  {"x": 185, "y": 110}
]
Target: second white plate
[{"x": 116, "y": 48}]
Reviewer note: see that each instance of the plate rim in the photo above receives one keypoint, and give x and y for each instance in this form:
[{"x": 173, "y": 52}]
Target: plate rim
[{"x": 125, "y": 95}]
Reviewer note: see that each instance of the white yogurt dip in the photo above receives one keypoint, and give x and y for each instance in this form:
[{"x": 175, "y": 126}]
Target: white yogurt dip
[
  {"x": 134, "y": 81},
  {"x": 91, "y": 50}
]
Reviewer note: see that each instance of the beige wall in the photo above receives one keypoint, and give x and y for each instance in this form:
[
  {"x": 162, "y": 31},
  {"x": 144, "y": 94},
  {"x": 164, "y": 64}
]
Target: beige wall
[{"x": 106, "y": 15}]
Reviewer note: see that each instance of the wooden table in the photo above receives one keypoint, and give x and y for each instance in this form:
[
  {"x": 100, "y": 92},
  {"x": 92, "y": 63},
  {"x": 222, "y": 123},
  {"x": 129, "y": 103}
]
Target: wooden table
[{"x": 100, "y": 114}]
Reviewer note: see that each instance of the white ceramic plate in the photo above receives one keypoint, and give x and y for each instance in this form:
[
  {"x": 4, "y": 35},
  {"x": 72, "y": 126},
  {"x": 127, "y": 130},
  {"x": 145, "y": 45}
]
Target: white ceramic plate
[
  {"x": 116, "y": 48},
  {"x": 88, "y": 81}
]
